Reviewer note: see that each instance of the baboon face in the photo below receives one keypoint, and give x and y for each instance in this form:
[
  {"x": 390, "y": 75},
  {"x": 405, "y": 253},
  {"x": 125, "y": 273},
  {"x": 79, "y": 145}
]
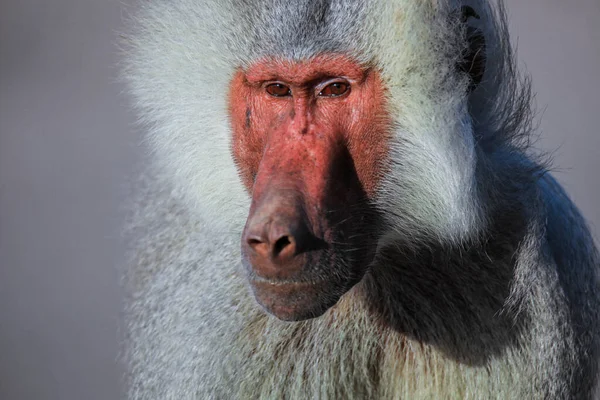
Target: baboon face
[{"x": 310, "y": 140}]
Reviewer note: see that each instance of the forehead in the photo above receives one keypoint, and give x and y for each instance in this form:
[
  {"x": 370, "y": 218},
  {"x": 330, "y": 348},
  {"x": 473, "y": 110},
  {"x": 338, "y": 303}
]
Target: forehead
[
  {"x": 299, "y": 71},
  {"x": 300, "y": 29}
]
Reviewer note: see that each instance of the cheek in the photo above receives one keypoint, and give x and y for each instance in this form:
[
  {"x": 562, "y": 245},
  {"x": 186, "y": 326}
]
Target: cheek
[
  {"x": 368, "y": 134},
  {"x": 246, "y": 144}
]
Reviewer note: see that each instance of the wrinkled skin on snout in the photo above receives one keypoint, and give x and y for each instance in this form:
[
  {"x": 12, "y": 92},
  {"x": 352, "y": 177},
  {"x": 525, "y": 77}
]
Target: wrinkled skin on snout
[{"x": 310, "y": 141}]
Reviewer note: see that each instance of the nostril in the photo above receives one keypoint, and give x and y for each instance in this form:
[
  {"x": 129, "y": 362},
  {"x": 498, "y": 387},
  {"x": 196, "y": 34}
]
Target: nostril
[
  {"x": 280, "y": 245},
  {"x": 258, "y": 245},
  {"x": 253, "y": 242}
]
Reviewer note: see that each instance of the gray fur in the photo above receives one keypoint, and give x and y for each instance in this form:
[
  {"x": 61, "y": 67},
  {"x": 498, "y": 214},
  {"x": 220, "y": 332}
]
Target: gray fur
[{"x": 486, "y": 280}]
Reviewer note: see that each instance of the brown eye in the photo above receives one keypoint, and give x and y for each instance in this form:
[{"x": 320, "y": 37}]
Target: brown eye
[
  {"x": 278, "y": 90},
  {"x": 334, "y": 89}
]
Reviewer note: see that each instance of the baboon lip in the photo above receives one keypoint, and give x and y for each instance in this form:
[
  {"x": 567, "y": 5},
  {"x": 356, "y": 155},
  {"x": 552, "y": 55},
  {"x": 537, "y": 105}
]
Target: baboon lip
[{"x": 276, "y": 283}]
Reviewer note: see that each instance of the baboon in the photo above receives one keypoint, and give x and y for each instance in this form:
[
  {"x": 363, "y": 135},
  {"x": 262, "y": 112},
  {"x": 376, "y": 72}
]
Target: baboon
[{"x": 341, "y": 202}]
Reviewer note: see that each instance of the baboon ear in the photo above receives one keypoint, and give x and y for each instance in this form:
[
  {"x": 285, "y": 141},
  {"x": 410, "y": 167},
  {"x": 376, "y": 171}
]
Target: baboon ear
[{"x": 473, "y": 62}]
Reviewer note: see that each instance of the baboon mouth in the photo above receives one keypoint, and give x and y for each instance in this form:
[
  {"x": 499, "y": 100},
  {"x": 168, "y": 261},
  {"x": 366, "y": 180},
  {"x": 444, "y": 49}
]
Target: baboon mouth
[
  {"x": 308, "y": 287},
  {"x": 277, "y": 283}
]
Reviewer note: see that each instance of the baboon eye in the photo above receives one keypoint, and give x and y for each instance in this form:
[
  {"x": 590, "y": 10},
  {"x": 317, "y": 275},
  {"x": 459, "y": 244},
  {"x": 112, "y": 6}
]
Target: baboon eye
[
  {"x": 278, "y": 90},
  {"x": 334, "y": 89}
]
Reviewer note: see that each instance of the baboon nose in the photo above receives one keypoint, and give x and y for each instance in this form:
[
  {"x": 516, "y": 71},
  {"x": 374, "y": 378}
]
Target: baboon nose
[
  {"x": 275, "y": 240},
  {"x": 278, "y": 237}
]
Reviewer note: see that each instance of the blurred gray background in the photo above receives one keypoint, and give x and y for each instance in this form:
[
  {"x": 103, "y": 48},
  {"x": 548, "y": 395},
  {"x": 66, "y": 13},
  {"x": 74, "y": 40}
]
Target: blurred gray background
[{"x": 67, "y": 145}]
